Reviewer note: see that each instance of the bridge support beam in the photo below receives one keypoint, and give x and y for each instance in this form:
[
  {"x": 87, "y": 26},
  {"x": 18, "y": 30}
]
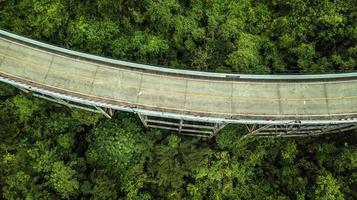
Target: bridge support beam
[
  {"x": 105, "y": 111},
  {"x": 182, "y": 127},
  {"x": 297, "y": 130}
]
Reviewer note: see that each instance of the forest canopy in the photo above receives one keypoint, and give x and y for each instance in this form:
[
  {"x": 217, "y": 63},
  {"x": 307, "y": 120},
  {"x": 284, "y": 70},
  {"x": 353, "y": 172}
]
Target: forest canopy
[
  {"x": 246, "y": 36},
  {"x": 52, "y": 152}
]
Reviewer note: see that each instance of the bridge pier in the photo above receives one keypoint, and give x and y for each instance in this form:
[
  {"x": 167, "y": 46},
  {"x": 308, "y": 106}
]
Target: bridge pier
[{"x": 182, "y": 127}]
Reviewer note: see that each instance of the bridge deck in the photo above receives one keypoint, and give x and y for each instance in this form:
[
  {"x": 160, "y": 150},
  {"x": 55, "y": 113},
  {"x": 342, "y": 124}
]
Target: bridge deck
[{"x": 239, "y": 98}]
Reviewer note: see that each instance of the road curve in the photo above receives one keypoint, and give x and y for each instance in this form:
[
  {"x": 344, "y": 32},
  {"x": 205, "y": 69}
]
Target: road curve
[{"x": 229, "y": 97}]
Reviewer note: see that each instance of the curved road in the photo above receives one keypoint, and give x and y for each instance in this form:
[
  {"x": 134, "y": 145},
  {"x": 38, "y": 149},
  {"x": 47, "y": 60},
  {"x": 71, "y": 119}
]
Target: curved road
[{"x": 134, "y": 87}]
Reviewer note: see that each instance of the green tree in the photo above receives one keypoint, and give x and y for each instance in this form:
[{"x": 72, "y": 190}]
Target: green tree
[
  {"x": 111, "y": 146},
  {"x": 63, "y": 179},
  {"x": 327, "y": 188}
]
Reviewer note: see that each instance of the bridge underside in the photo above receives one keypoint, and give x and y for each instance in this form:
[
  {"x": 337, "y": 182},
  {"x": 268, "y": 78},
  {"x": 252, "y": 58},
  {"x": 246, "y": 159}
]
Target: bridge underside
[{"x": 297, "y": 130}]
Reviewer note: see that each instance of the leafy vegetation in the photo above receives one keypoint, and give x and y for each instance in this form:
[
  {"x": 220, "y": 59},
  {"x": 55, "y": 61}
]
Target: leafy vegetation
[
  {"x": 51, "y": 152},
  {"x": 260, "y": 36}
]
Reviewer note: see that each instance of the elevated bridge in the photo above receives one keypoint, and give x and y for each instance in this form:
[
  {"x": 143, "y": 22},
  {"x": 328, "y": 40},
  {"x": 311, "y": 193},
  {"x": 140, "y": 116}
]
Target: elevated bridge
[{"x": 189, "y": 102}]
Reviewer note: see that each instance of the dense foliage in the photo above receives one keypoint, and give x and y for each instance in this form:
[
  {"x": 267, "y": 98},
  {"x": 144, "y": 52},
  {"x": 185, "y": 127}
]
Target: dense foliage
[
  {"x": 254, "y": 36},
  {"x": 51, "y": 152}
]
